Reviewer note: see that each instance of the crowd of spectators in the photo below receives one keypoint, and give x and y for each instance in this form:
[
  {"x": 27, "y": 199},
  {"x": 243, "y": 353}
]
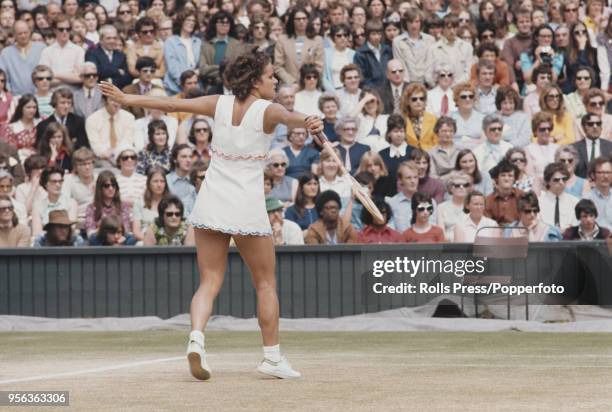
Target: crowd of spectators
[{"x": 458, "y": 117}]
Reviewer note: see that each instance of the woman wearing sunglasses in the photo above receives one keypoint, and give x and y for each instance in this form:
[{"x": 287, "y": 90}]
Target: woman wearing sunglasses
[
  {"x": 107, "y": 201},
  {"x": 284, "y": 187},
  {"x": 529, "y": 223},
  {"x": 170, "y": 227},
  {"x": 337, "y": 56},
  {"x": 421, "y": 230},
  {"x": 524, "y": 182},
  {"x": 575, "y": 185},
  {"x": 450, "y": 212},
  {"x": 419, "y": 123},
  {"x": 551, "y": 102},
  {"x": 469, "y": 120}
]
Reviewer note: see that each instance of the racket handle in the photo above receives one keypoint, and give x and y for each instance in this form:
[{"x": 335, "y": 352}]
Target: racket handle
[{"x": 330, "y": 149}]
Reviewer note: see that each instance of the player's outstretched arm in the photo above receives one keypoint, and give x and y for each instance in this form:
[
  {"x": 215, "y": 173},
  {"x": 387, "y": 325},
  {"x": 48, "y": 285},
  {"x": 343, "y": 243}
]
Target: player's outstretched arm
[
  {"x": 277, "y": 114},
  {"x": 201, "y": 105}
]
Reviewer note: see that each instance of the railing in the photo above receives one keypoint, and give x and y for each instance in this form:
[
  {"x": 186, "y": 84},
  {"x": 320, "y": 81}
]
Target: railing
[{"x": 313, "y": 281}]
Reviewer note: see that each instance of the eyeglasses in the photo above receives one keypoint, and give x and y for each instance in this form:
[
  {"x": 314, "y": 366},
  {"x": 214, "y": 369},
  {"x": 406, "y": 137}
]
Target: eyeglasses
[
  {"x": 417, "y": 99},
  {"x": 495, "y": 129},
  {"x": 359, "y": 35},
  {"x": 109, "y": 185},
  {"x": 284, "y": 164},
  {"x": 423, "y": 208},
  {"x": 583, "y": 77},
  {"x": 125, "y": 12},
  {"x": 352, "y": 78},
  {"x": 397, "y": 71},
  {"x": 129, "y": 157},
  {"x": 173, "y": 214},
  {"x": 580, "y": 32},
  {"x": 458, "y": 185},
  {"x": 553, "y": 96},
  {"x": 90, "y": 75},
  {"x": 6, "y": 209},
  {"x": 63, "y": 29},
  {"x": 529, "y": 211},
  {"x": 201, "y": 130},
  {"x": 559, "y": 179},
  {"x": 300, "y": 18},
  {"x": 447, "y": 75},
  {"x": 259, "y": 27},
  {"x": 311, "y": 77},
  {"x": 146, "y": 32},
  {"x": 544, "y": 129},
  {"x": 598, "y": 103},
  {"x": 340, "y": 35},
  {"x": 568, "y": 161},
  {"x": 466, "y": 96},
  {"x": 571, "y": 10},
  {"x": 222, "y": 21},
  {"x": 594, "y": 124},
  {"x": 518, "y": 160},
  {"x": 545, "y": 36},
  {"x": 47, "y": 78}
]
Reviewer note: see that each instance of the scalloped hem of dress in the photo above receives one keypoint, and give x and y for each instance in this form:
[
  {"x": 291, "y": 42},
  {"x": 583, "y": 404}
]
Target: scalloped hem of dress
[{"x": 228, "y": 231}]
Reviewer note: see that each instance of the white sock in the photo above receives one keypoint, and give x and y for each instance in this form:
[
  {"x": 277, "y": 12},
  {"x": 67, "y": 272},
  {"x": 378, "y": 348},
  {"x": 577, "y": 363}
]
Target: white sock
[
  {"x": 272, "y": 353},
  {"x": 197, "y": 336}
]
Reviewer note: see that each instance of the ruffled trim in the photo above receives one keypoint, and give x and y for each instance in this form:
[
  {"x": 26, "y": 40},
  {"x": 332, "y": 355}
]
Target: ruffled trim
[
  {"x": 229, "y": 231},
  {"x": 232, "y": 156}
]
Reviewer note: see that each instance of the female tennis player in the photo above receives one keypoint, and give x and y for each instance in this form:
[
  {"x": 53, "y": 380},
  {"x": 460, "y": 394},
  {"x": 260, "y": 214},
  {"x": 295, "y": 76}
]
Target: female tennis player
[{"x": 231, "y": 202}]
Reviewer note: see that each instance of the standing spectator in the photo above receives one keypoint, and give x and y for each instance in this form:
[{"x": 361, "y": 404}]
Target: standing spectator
[
  {"x": 529, "y": 224},
  {"x": 111, "y": 232},
  {"x": 42, "y": 76},
  {"x": 444, "y": 155},
  {"x": 303, "y": 212},
  {"x": 107, "y": 202},
  {"x": 329, "y": 105},
  {"x": 19, "y": 59},
  {"x": 302, "y": 159},
  {"x": 398, "y": 150},
  {"x": 170, "y": 227},
  {"x": 56, "y": 146},
  {"x": 284, "y": 231},
  {"x": 502, "y": 204},
  {"x": 329, "y": 229},
  {"x": 107, "y": 129},
  {"x": 157, "y": 151},
  {"x": 131, "y": 184},
  {"x": 145, "y": 66},
  {"x": 494, "y": 148},
  {"x": 146, "y": 45},
  {"x": 297, "y": 47},
  {"x": 336, "y": 57},
  {"x": 377, "y": 232},
  {"x": 557, "y": 205},
  {"x": 145, "y": 208},
  {"x": 411, "y": 48},
  {"x": 593, "y": 146},
  {"x": 474, "y": 223},
  {"x": 600, "y": 172},
  {"x": 110, "y": 61},
  {"x": 63, "y": 57},
  {"x": 551, "y": 101},
  {"x": 52, "y": 180},
  {"x": 524, "y": 181},
  {"x": 178, "y": 179},
  {"x": 88, "y": 98},
  {"x": 61, "y": 100},
  {"x": 21, "y": 132},
  {"x": 393, "y": 87},
  {"x": 469, "y": 120},
  {"x": 576, "y": 186},
  {"x": 372, "y": 121},
  {"x": 8, "y": 102},
  {"x": 349, "y": 94},
  {"x": 440, "y": 100},
  {"x": 59, "y": 232},
  {"x": 541, "y": 152},
  {"x": 587, "y": 228},
  {"x": 350, "y": 151},
  {"x": 516, "y": 130},
  {"x": 451, "y": 212},
  {"x": 12, "y": 233},
  {"x": 419, "y": 123},
  {"x": 373, "y": 57},
  {"x": 307, "y": 98},
  {"x": 284, "y": 187},
  {"x": 421, "y": 230},
  {"x": 450, "y": 49}
]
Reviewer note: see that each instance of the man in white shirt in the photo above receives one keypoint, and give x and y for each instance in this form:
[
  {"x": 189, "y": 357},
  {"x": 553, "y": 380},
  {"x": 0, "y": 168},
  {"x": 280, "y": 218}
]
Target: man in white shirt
[
  {"x": 63, "y": 56},
  {"x": 440, "y": 101},
  {"x": 557, "y": 207},
  {"x": 81, "y": 184},
  {"x": 486, "y": 91},
  {"x": 107, "y": 129},
  {"x": 493, "y": 150}
]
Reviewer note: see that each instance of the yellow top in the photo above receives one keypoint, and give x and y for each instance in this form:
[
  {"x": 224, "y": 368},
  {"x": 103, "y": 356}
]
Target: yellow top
[{"x": 428, "y": 138}]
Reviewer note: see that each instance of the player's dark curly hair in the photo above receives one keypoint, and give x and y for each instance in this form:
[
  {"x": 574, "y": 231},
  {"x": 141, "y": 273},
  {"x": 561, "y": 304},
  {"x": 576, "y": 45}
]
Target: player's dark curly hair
[{"x": 244, "y": 71}]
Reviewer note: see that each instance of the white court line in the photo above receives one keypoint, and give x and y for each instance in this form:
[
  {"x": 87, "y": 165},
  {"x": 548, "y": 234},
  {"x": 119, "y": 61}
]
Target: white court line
[{"x": 95, "y": 370}]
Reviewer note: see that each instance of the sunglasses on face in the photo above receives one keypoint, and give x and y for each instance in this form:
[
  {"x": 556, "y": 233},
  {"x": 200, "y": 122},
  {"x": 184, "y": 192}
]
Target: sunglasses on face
[
  {"x": 544, "y": 129},
  {"x": 571, "y": 10},
  {"x": 219, "y": 21},
  {"x": 359, "y": 35},
  {"x": 311, "y": 77},
  {"x": 553, "y": 96},
  {"x": 447, "y": 75},
  {"x": 109, "y": 185},
  {"x": 6, "y": 209},
  {"x": 425, "y": 208},
  {"x": 568, "y": 161},
  {"x": 49, "y": 78},
  {"x": 594, "y": 124},
  {"x": 125, "y": 12},
  {"x": 146, "y": 32},
  {"x": 466, "y": 97},
  {"x": 279, "y": 165},
  {"x": 598, "y": 103},
  {"x": 559, "y": 179},
  {"x": 397, "y": 71},
  {"x": 201, "y": 130},
  {"x": 340, "y": 35},
  {"x": 495, "y": 129},
  {"x": 129, "y": 157},
  {"x": 458, "y": 185},
  {"x": 63, "y": 29},
  {"x": 90, "y": 75},
  {"x": 579, "y": 32},
  {"x": 583, "y": 77},
  {"x": 173, "y": 214},
  {"x": 417, "y": 99}
]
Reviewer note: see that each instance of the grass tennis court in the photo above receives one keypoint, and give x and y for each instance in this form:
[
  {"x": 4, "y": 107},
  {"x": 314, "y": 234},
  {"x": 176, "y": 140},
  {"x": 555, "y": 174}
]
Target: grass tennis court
[{"x": 342, "y": 371}]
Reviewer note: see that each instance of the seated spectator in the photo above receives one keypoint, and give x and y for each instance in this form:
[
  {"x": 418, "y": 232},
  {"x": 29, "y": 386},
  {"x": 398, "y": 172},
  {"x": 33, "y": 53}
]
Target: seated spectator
[
  {"x": 450, "y": 212},
  {"x": 141, "y": 126},
  {"x": 419, "y": 123},
  {"x": 178, "y": 179},
  {"x": 504, "y": 75},
  {"x": 517, "y": 130},
  {"x": 302, "y": 159},
  {"x": 524, "y": 181},
  {"x": 170, "y": 227},
  {"x": 421, "y": 230},
  {"x": 444, "y": 155},
  {"x": 62, "y": 102},
  {"x": 541, "y": 152},
  {"x": 574, "y": 101},
  {"x": 145, "y": 208},
  {"x": 59, "y": 232},
  {"x": 157, "y": 152},
  {"x": 107, "y": 202},
  {"x": 486, "y": 90},
  {"x": 30, "y": 191},
  {"x": 200, "y": 136},
  {"x": 329, "y": 229},
  {"x": 469, "y": 120},
  {"x": 372, "y": 57},
  {"x": 131, "y": 183},
  {"x": 7, "y": 188},
  {"x": 557, "y": 206},
  {"x": 440, "y": 99},
  {"x": 88, "y": 98},
  {"x": 286, "y": 98},
  {"x": 52, "y": 180},
  {"x": 111, "y": 233},
  {"x": 595, "y": 101},
  {"x": 146, "y": 68},
  {"x": 81, "y": 183},
  {"x": 285, "y": 187},
  {"x": 9, "y": 161},
  {"x": 198, "y": 173},
  {"x": 42, "y": 76},
  {"x": 350, "y": 150},
  {"x": 329, "y": 105},
  {"x": 372, "y": 121},
  {"x": 600, "y": 173},
  {"x": 398, "y": 150},
  {"x": 401, "y": 203},
  {"x": 8, "y": 100},
  {"x": 576, "y": 186},
  {"x": 268, "y": 183},
  {"x": 331, "y": 178},
  {"x": 21, "y": 131},
  {"x": 303, "y": 211},
  {"x": 587, "y": 228},
  {"x": 56, "y": 146},
  {"x": 493, "y": 149},
  {"x": 309, "y": 94},
  {"x": 352, "y": 212},
  {"x": 349, "y": 93},
  {"x": 12, "y": 233},
  {"x": 551, "y": 101},
  {"x": 146, "y": 45},
  {"x": 189, "y": 83},
  {"x": 474, "y": 222},
  {"x": 284, "y": 231},
  {"x": 374, "y": 231},
  {"x": 542, "y": 76},
  {"x": 502, "y": 204},
  {"x": 109, "y": 59},
  {"x": 593, "y": 146},
  {"x": 529, "y": 223},
  {"x": 541, "y": 52},
  {"x": 427, "y": 184}
]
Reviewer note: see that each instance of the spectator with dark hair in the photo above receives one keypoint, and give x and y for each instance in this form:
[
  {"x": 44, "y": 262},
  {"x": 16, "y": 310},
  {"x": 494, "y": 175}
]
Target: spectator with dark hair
[
  {"x": 303, "y": 211},
  {"x": 18, "y": 60},
  {"x": 145, "y": 208},
  {"x": 59, "y": 231},
  {"x": 107, "y": 202},
  {"x": 541, "y": 152},
  {"x": 582, "y": 52},
  {"x": 516, "y": 130},
  {"x": 374, "y": 231},
  {"x": 309, "y": 93},
  {"x": 593, "y": 146},
  {"x": 111, "y": 61},
  {"x": 30, "y": 191},
  {"x": 284, "y": 231},
  {"x": 398, "y": 150},
  {"x": 178, "y": 179},
  {"x": 141, "y": 126},
  {"x": 372, "y": 57},
  {"x": 529, "y": 224},
  {"x": 329, "y": 105},
  {"x": 557, "y": 205},
  {"x": 600, "y": 173},
  {"x": 514, "y": 47},
  {"x": 52, "y": 180},
  {"x": 12, "y": 233},
  {"x": 427, "y": 184},
  {"x": 486, "y": 90},
  {"x": 421, "y": 230},
  {"x": 337, "y": 57},
  {"x": 577, "y": 186},
  {"x": 297, "y": 47},
  {"x": 594, "y": 101},
  {"x": 542, "y": 79},
  {"x": 157, "y": 151},
  {"x": 200, "y": 137},
  {"x": 504, "y": 74},
  {"x": 21, "y": 131},
  {"x": 466, "y": 161},
  {"x": 170, "y": 227},
  {"x": 587, "y": 228},
  {"x": 56, "y": 146},
  {"x": 584, "y": 79},
  {"x": 494, "y": 148},
  {"x": 329, "y": 229},
  {"x": 502, "y": 204},
  {"x": 146, "y": 45},
  {"x": 181, "y": 50},
  {"x": 474, "y": 222},
  {"x": 259, "y": 33},
  {"x": 8, "y": 102},
  {"x": 111, "y": 232},
  {"x": 444, "y": 155},
  {"x": 145, "y": 68},
  {"x": 62, "y": 101},
  {"x": 350, "y": 92},
  {"x": 302, "y": 159},
  {"x": 541, "y": 52},
  {"x": 198, "y": 173}
]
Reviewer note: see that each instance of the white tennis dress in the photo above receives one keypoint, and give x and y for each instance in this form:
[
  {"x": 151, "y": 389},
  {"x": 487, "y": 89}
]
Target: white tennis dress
[{"x": 231, "y": 199}]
